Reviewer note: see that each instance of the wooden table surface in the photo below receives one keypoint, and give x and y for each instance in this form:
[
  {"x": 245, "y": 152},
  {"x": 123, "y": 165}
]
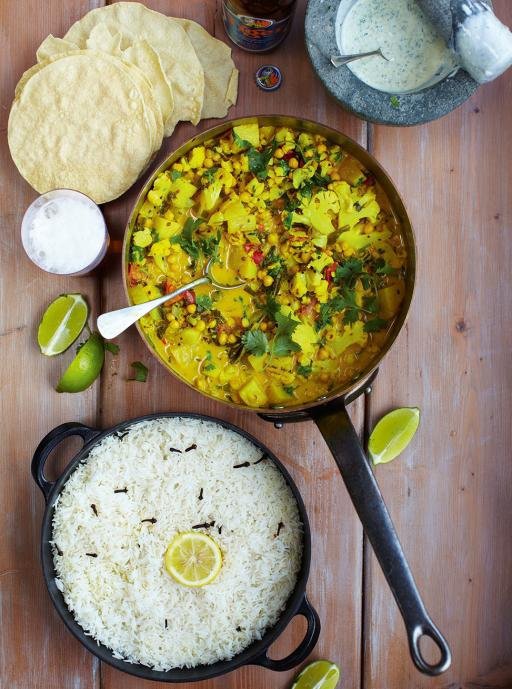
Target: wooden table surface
[{"x": 450, "y": 493}]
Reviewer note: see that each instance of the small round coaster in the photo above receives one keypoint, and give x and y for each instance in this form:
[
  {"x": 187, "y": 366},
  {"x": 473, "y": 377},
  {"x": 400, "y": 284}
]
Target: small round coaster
[{"x": 268, "y": 77}]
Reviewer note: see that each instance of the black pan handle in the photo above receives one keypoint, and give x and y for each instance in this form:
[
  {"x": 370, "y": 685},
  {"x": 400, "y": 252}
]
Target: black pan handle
[
  {"x": 303, "y": 649},
  {"x": 343, "y": 441},
  {"x": 49, "y": 443}
]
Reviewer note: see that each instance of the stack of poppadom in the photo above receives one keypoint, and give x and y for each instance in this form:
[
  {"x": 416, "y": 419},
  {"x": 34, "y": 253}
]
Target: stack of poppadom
[{"x": 92, "y": 112}]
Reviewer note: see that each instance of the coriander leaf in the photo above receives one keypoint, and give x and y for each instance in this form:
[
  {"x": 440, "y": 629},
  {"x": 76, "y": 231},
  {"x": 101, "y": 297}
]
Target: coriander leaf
[
  {"x": 255, "y": 342},
  {"x": 348, "y": 271},
  {"x": 282, "y": 345},
  {"x": 186, "y": 238},
  {"x": 258, "y": 162},
  {"x": 209, "y": 367},
  {"x": 210, "y": 174},
  {"x": 350, "y": 316},
  {"x": 241, "y": 143},
  {"x": 287, "y": 221},
  {"x": 210, "y": 246},
  {"x": 320, "y": 181},
  {"x": 345, "y": 301},
  {"x": 289, "y": 389},
  {"x": 140, "y": 373},
  {"x": 395, "y": 102},
  {"x": 286, "y": 325},
  {"x": 305, "y": 370},
  {"x": 374, "y": 325},
  {"x": 371, "y": 304},
  {"x": 270, "y": 307},
  {"x": 175, "y": 175},
  {"x": 284, "y": 166},
  {"x": 291, "y": 204},
  {"x": 306, "y": 190},
  {"x": 204, "y": 303},
  {"x": 111, "y": 347},
  {"x": 137, "y": 254},
  {"x": 324, "y": 317},
  {"x": 274, "y": 263},
  {"x": 383, "y": 268}
]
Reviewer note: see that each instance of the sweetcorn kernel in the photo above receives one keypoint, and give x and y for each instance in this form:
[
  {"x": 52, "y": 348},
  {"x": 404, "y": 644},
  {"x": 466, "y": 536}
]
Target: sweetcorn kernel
[
  {"x": 293, "y": 163},
  {"x": 223, "y": 338},
  {"x": 191, "y": 308}
]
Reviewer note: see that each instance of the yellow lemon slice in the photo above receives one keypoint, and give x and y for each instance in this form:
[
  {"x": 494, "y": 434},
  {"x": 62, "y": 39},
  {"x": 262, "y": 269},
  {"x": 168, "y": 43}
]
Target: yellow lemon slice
[
  {"x": 193, "y": 559},
  {"x": 322, "y": 674}
]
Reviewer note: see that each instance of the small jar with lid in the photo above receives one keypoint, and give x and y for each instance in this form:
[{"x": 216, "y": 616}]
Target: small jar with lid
[{"x": 257, "y": 25}]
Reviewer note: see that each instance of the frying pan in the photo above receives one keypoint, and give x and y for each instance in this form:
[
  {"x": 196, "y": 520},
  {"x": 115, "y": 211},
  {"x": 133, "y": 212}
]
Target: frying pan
[{"x": 330, "y": 412}]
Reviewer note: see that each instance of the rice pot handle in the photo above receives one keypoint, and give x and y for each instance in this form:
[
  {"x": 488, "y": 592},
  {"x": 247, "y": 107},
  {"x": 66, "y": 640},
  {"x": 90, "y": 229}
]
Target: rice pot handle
[
  {"x": 303, "y": 649},
  {"x": 339, "y": 433},
  {"x": 49, "y": 443}
]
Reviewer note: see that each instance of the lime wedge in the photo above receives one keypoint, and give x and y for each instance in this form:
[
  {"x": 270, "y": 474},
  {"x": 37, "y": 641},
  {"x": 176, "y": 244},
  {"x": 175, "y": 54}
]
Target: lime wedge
[
  {"x": 193, "y": 559},
  {"x": 62, "y": 323},
  {"x": 85, "y": 367},
  {"x": 393, "y": 433},
  {"x": 322, "y": 674}
]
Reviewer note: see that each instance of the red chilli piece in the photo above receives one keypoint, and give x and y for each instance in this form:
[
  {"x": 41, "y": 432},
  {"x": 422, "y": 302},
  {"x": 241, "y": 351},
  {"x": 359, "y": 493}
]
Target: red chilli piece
[
  {"x": 249, "y": 247},
  {"x": 329, "y": 272},
  {"x": 189, "y": 297},
  {"x": 134, "y": 274},
  {"x": 370, "y": 181},
  {"x": 258, "y": 256},
  {"x": 168, "y": 286}
]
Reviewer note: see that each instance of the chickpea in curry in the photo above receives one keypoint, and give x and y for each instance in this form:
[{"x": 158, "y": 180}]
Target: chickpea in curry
[{"x": 312, "y": 237}]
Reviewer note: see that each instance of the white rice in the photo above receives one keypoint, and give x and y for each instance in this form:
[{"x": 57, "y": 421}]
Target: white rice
[{"x": 124, "y": 598}]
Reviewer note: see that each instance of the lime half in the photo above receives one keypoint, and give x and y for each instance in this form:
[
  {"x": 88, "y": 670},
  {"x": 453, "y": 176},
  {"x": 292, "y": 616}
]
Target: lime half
[
  {"x": 322, "y": 674},
  {"x": 85, "y": 367},
  {"x": 62, "y": 323},
  {"x": 193, "y": 559},
  {"x": 393, "y": 433}
]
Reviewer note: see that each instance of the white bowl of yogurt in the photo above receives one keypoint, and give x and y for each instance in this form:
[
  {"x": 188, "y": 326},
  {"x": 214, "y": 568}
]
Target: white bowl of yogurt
[
  {"x": 417, "y": 56},
  {"x": 63, "y": 232}
]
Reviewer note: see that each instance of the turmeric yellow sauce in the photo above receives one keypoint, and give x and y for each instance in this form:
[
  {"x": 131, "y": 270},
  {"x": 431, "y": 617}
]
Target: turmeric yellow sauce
[{"x": 313, "y": 238}]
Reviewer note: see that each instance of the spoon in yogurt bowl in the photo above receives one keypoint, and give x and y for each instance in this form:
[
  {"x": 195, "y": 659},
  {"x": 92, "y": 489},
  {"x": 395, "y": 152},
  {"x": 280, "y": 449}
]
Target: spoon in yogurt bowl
[{"x": 339, "y": 60}]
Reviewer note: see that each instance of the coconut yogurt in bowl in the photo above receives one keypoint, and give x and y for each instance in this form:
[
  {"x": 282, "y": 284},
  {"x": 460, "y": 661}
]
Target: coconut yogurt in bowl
[
  {"x": 63, "y": 232},
  {"x": 417, "y": 55}
]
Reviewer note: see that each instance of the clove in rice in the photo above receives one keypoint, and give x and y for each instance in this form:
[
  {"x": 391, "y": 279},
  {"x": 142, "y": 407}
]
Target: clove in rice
[
  {"x": 93, "y": 508},
  {"x": 205, "y": 525},
  {"x": 243, "y": 465},
  {"x": 192, "y": 447},
  {"x": 92, "y": 554},
  {"x": 121, "y": 490}
]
